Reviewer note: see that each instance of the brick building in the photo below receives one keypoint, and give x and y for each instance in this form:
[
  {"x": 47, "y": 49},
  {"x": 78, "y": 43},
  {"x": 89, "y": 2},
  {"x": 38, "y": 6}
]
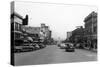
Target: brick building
[
  {"x": 16, "y": 24},
  {"x": 77, "y": 35},
  {"x": 91, "y": 30},
  {"x": 46, "y": 33},
  {"x": 69, "y": 34}
]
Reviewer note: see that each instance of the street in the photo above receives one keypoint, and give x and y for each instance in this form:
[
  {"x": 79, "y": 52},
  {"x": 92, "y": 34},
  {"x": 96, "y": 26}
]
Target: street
[{"x": 53, "y": 54}]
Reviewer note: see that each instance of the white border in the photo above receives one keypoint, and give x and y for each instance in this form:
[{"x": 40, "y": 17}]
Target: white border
[{"x": 5, "y": 33}]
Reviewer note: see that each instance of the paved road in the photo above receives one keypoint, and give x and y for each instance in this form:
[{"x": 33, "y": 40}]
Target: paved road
[{"x": 53, "y": 54}]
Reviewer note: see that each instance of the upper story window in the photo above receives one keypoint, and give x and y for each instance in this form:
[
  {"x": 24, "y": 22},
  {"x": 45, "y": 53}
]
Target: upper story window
[{"x": 95, "y": 29}]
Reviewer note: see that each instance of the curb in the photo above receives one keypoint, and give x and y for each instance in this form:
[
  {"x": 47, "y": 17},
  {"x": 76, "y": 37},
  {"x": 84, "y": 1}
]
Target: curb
[{"x": 94, "y": 50}]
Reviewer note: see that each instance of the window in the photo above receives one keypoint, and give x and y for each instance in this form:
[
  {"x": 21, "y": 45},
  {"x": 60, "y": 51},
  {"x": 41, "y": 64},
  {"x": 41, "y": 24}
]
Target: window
[
  {"x": 19, "y": 27},
  {"x": 12, "y": 26},
  {"x": 16, "y": 26},
  {"x": 95, "y": 29}
]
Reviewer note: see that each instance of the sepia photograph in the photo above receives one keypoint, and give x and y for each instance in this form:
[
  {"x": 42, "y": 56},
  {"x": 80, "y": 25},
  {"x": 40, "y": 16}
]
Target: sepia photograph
[{"x": 52, "y": 33}]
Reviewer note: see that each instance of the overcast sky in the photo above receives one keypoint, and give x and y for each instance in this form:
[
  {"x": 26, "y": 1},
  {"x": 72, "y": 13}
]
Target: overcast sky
[{"x": 61, "y": 18}]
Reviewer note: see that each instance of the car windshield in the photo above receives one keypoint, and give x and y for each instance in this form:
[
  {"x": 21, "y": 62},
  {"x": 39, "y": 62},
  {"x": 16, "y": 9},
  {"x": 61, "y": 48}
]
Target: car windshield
[{"x": 69, "y": 44}]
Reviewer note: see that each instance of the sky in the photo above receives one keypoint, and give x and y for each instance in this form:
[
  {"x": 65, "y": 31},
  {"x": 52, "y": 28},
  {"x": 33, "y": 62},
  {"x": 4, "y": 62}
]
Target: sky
[{"x": 60, "y": 18}]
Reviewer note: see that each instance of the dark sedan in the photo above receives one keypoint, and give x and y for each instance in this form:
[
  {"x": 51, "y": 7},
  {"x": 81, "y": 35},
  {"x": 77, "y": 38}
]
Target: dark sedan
[{"x": 70, "y": 47}]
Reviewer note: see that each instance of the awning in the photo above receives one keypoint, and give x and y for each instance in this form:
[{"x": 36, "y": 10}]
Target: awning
[
  {"x": 29, "y": 38},
  {"x": 25, "y": 34},
  {"x": 18, "y": 32}
]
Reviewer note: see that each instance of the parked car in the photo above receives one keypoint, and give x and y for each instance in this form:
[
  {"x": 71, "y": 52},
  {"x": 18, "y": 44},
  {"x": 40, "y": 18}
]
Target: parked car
[
  {"x": 18, "y": 45},
  {"x": 70, "y": 47},
  {"x": 38, "y": 43},
  {"x": 27, "y": 47},
  {"x": 36, "y": 46},
  {"x": 79, "y": 45},
  {"x": 62, "y": 45},
  {"x": 17, "y": 49},
  {"x": 41, "y": 45},
  {"x": 23, "y": 45}
]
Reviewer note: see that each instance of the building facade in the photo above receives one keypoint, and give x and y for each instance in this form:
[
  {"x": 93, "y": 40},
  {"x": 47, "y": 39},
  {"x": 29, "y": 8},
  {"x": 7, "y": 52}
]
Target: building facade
[
  {"x": 77, "y": 35},
  {"x": 69, "y": 34},
  {"x": 16, "y": 25},
  {"x": 42, "y": 32},
  {"x": 91, "y": 30},
  {"x": 32, "y": 31},
  {"x": 46, "y": 33},
  {"x": 88, "y": 34}
]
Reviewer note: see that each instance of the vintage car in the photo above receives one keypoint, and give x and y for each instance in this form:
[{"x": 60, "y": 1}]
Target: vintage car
[
  {"x": 70, "y": 47},
  {"x": 62, "y": 45}
]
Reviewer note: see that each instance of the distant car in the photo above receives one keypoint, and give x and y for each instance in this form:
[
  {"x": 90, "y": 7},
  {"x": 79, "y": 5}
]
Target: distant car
[
  {"x": 58, "y": 44},
  {"x": 62, "y": 46},
  {"x": 70, "y": 47}
]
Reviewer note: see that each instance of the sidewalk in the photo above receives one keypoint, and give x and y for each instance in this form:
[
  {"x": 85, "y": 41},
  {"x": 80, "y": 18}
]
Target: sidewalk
[{"x": 94, "y": 50}]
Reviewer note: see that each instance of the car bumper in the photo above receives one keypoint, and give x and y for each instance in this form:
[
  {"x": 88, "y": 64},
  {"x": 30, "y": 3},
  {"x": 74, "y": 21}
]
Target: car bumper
[{"x": 72, "y": 49}]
